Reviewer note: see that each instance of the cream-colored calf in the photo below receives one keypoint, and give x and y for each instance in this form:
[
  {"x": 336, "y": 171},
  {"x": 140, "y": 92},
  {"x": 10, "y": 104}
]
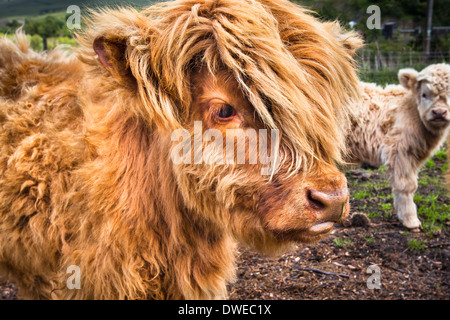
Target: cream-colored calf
[{"x": 401, "y": 126}]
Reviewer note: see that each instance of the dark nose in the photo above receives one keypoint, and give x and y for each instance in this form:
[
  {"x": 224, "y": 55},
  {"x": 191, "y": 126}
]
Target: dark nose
[
  {"x": 439, "y": 113},
  {"x": 329, "y": 205}
]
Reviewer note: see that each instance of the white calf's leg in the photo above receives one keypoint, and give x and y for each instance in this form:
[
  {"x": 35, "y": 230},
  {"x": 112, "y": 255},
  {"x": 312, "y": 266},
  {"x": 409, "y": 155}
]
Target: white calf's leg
[
  {"x": 404, "y": 184},
  {"x": 406, "y": 209}
]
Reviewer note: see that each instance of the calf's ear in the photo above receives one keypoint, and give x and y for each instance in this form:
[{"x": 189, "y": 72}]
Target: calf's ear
[
  {"x": 352, "y": 42},
  {"x": 408, "y": 78},
  {"x": 112, "y": 55}
]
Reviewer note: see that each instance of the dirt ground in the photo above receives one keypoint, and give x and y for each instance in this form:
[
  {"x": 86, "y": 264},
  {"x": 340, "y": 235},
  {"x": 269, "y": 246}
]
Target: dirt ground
[
  {"x": 324, "y": 271},
  {"x": 412, "y": 265}
]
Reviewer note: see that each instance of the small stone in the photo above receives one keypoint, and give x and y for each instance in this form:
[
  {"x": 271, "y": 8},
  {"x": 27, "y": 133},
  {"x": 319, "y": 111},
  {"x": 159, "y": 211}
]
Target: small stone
[
  {"x": 347, "y": 223},
  {"x": 361, "y": 174},
  {"x": 360, "y": 220}
]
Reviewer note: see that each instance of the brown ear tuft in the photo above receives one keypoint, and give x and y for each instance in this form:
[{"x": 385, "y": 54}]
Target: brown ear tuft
[{"x": 112, "y": 55}]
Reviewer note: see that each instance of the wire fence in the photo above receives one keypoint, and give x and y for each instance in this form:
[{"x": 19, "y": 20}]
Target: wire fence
[
  {"x": 393, "y": 60},
  {"x": 382, "y": 66}
]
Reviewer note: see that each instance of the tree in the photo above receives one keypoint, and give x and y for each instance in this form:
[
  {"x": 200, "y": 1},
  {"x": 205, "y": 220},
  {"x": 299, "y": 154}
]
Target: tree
[
  {"x": 11, "y": 26},
  {"x": 409, "y": 13},
  {"x": 46, "y": 28}
]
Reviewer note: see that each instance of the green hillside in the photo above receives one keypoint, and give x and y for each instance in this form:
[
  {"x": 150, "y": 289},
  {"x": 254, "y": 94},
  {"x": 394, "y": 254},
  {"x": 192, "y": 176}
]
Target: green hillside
[{"x": 33, "y": 8}]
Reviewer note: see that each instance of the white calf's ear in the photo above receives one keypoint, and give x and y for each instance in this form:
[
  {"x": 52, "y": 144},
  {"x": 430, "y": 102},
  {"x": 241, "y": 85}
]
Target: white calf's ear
[
  {"x": 351, "y": 40},
  {"x": 408, "y": 78}
]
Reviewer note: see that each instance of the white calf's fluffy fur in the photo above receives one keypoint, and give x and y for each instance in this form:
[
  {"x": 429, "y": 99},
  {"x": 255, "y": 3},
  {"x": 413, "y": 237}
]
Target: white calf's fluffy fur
[{"x": 401, "y": 126}]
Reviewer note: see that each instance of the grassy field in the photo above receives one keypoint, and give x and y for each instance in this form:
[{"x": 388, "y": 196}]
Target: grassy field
[
  {"x": 373, "y": 197},
  {"x": 20, "y": 9}
]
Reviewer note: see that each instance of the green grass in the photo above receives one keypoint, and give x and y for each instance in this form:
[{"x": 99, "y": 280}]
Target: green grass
[
  {"x": 434, "y": 215},
  {"x": 373, "y": 214},
  {"x": 368, "y": 238},
  {"x": 342, "y": 242},
  {"x": 416, "y": 245},
  {"x": 425, "y": 181},
  {"x": 382, "y": 169},
  {"x": 361, "y": 194},
  {"x": 430, "y": 163},
  {"x": 441, "y": 155},
  {"x": 389, "y": 196},
  {"x": 385, "y": 76},
  {"x": 37, "y": 45},
  {"x": 432, "y": 198},
  {"x": 368, "y": 189},
  {"x": 385, "y": 206},
  {"x": 370, "y": 186},
  {"x": 444, "y": 168},
  {"x": 433, "y": 211}
]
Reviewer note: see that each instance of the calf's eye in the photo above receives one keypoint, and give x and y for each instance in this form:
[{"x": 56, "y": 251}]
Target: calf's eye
[
  {"x": 424, "y": 95},
  {"x": 226, "y": 112}
]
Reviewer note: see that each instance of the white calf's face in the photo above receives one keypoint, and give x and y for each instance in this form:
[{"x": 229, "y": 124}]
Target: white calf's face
[
  {"x": 431, "y": 87},
  {"x": 433, "y": 106}
]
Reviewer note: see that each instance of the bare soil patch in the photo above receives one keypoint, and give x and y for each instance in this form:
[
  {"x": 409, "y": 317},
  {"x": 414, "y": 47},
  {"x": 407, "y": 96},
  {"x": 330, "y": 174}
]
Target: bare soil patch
[{"x": 413, "y": 265}]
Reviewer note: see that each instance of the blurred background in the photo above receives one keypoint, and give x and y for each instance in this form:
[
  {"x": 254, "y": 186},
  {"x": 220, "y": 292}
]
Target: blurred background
[{"x": 411, "y": 33}]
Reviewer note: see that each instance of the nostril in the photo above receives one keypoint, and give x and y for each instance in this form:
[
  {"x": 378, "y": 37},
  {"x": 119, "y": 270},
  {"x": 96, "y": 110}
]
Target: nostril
[
  {"x": 314, "y": 200},
  {"x": 439, "y": 113},
  {"x": 329, "y": 205}
]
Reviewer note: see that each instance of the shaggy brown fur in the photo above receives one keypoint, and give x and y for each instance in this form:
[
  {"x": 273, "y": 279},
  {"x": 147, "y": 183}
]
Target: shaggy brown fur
[
  {"x": 86, "y": 176},
  {"x": 401, "y": 127}
]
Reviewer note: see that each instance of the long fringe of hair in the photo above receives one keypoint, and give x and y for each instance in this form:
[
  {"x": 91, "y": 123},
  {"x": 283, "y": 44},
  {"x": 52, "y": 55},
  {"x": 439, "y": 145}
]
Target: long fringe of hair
[{"x": 298, "y": 73}]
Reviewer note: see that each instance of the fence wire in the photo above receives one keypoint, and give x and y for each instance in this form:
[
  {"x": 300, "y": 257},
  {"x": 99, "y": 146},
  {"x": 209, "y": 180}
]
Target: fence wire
[{"x": 375, "y": 60}]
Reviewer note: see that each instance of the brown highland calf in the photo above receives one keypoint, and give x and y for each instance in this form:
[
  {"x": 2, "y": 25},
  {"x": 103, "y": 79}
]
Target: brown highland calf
[
  {"x": 401, "y": 126},
  {"x": 91, "y": 176}
]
